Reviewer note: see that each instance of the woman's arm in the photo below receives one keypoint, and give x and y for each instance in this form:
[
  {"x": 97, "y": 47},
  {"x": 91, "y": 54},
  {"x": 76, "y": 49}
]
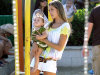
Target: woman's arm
[
  {"x": 58, "y": 46},
  {"x": 3, "y": 38},
  {"x": 90, "y": 27},
  {"x": 75, "y": 10}
]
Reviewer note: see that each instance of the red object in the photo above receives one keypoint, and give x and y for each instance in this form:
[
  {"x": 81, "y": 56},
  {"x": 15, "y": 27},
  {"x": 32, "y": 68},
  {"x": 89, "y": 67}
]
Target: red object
[{"x": 20, "y": 33}]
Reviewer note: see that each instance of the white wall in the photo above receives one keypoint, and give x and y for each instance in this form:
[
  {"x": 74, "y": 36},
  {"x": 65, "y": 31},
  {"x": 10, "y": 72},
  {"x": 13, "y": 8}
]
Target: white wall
[{"x": 72, "y": 57}]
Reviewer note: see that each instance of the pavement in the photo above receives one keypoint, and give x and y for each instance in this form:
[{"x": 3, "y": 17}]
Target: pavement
[{"x": 72, "y": 70}]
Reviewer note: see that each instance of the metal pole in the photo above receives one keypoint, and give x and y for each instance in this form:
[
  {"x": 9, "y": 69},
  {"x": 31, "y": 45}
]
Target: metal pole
[
  {"x": 49, "y": 16},
  {"x": 86, "y": 39},
  {"x": 16, "y": 40},
  {"x": 27, "y": 37},
  {"x": 20, "y": 32}
]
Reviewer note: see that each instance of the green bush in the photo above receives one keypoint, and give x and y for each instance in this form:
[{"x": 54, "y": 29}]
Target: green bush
[
  {"x": 4, "y": 19},
  {"x": 77, "y": 36}
]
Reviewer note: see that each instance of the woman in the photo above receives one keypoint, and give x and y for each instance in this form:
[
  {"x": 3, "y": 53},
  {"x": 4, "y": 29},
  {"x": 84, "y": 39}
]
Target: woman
[
  {"x": 58, "y": 34},
  {"x": 5, "y": 43},
  {"x": 41, "y": 5},
  {"x": 70, "y": 9}
]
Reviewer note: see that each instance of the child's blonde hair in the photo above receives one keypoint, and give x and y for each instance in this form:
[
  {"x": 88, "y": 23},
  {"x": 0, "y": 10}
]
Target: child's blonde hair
[{"x": 39, "y": 16}]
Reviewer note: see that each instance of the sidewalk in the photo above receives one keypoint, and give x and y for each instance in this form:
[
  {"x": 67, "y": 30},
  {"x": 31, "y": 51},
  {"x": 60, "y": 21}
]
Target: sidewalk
[
  {"x": 70, "y": 64},
  {"x": 8, "y": 67},
  {"x": 71, "y": 70}
]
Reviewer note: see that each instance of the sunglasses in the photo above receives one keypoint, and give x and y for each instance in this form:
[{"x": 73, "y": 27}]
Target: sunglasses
[{"x": 43, "y": 0}]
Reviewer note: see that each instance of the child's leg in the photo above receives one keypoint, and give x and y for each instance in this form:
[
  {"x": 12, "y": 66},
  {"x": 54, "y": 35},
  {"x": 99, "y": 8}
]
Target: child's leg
[
  {"x": 33, "y": 51},
  {"x": 37, "y": 59},
  {"x": 37, "y": 72}
]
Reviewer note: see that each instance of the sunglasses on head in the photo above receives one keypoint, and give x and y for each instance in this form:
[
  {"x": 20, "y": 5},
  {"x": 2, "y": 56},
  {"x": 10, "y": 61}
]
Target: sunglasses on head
[{"x": 43, "y": 0}]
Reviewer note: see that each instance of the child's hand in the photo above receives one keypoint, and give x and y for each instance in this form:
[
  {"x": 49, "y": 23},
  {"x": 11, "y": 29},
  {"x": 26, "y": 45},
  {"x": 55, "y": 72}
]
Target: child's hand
[
  {"x": 43, "y": 40},
  {"x": 37, "y": 37}
]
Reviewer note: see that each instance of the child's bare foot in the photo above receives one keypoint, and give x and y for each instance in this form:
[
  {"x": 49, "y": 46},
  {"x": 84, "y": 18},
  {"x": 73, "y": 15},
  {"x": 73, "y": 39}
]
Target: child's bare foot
[{"x": 34, "y": 69}]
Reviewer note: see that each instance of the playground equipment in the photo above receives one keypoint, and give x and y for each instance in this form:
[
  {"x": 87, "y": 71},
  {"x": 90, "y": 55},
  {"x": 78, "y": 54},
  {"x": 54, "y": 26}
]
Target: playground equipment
[
  {"x": 16, "y": 41},
  {"x": 18, "y": 38}
]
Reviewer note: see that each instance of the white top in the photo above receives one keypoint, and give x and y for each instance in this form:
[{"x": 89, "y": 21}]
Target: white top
[
  {"x": 54, "y": 37},
  {"x": 45, "y": 18},
  {"x": 69, "y": 12}
]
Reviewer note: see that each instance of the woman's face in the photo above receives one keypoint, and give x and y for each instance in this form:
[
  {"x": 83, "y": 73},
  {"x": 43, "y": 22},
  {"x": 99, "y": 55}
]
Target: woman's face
[
  {"x": 53, "y": 12},
  {"x": 43, "y": 3}
]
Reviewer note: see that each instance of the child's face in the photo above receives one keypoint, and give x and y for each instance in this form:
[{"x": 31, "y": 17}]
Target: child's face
[
  {"x": 53, "y": 12},
  {"x": 69, "y": 3},
  {"x": 38, "y": 22}
]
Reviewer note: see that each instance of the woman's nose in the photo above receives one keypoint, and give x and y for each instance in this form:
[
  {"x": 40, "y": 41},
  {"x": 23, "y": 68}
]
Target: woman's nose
[{"x": 50, "y": 12}]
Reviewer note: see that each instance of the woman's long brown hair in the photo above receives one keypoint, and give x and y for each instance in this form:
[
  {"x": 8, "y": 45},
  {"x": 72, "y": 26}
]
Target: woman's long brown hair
[{"x": 61, "y": 12}]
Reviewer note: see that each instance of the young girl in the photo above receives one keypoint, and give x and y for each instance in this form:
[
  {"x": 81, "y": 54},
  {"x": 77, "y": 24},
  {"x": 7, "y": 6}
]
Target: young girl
[
  {"x": 38, "y": 32},
  {"x": 58, "y": 34},
  {"x": 70, "y": 9}
]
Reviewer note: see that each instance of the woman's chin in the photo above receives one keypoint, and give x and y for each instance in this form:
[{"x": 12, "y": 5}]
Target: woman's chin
[{"x": 52, "y": 17}]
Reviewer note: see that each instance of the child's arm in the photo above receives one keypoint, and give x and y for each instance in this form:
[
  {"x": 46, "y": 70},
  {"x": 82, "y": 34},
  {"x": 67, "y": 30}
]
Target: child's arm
[{"x": 43, "y": 36}]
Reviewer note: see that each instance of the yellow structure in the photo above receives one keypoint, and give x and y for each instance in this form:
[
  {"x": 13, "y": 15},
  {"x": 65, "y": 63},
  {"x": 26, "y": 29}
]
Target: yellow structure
[
  {"x": 27, "y": 36},
  {"x": 49, "y": 16}
]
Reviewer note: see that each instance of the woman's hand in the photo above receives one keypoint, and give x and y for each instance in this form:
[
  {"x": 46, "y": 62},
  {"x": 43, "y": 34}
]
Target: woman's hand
[
  {"x": 83, "y": 52},
  {"x": 37, "y": 37},
  {"x": 43, "y": 40},
  {"x": 4, "y": 38}
]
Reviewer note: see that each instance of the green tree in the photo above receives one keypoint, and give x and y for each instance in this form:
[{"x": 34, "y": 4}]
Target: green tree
[{"x": 5, "y": 7}]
